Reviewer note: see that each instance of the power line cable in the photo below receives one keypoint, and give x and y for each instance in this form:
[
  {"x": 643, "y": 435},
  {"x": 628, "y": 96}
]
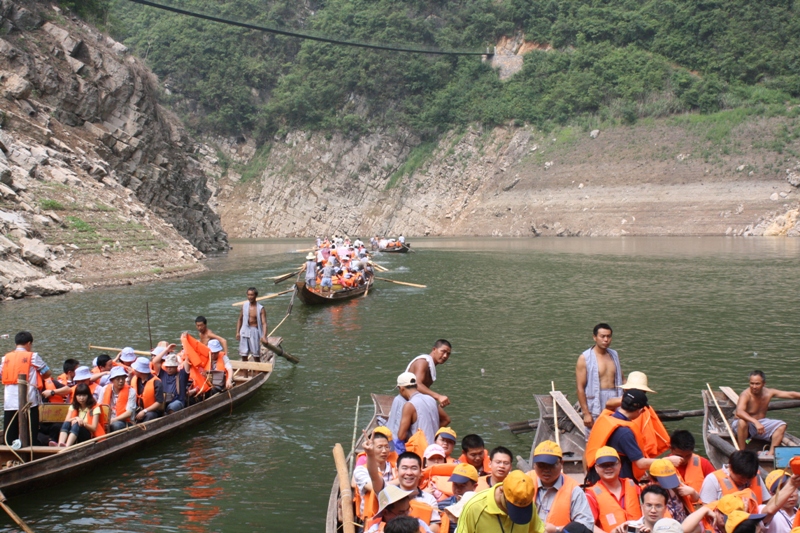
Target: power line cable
[{"x": 392, "y": 48}]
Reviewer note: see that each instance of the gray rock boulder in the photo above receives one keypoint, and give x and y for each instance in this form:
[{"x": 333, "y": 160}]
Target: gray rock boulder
[{"x": 34, "y": 251}]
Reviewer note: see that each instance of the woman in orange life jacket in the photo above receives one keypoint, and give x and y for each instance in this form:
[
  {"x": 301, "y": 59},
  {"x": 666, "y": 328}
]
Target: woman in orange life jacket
[
  {"x": 149, "y": 391},
  {"x": 120, "y": 398},
  {"x": 83, "y": 419},
  {"x": 446, "y": 438}
]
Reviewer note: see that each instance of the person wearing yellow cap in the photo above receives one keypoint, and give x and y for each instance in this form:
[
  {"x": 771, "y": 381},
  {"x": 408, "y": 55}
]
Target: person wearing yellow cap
[
  {"x": 379, "y": 441},
  {"x": 680, "y": 502},
  {"x": 559, "y": 499},
  {"x": 463, "y": 481},
  {"x": 505, "y": 508},
  {"x": 781, "y": 509},
  {"x": 742, "y": 522},
  {"x": 617, "y": 431},
  {"x": 613, "y": 500},
  {"x": 446, "y": 438}
]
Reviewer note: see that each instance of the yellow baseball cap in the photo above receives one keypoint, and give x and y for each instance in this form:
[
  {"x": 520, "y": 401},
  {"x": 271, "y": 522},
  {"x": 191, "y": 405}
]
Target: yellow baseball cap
[
  {"x": 519, "y": 491},
  {"x": 605, "y": 455},
  {"x": 664, "y": 473},
  {"x": 775, "y": 477},
  {"x": 447, "y": 433},
  {"x": 464, "y": 472},
  {"x": 728, "y": 504},
  {"x": 737, "y": 517},
  {"x": 383, "y": 430},
  {"x": 547, "y": 452}
]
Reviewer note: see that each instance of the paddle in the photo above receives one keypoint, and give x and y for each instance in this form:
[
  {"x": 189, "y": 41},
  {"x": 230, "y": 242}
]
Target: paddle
[
  {"x": 283, "y": 353},
  {"x": 10, "y": 512},
  {"x": 107, "y": 349},
  {"x": 378, "y": 267},
  {"x": 408, "y": 248},
  {"x": 555, "y": 414},
  {"x": 289, "y": 275},
  {"x": 724, "y": 418},
  {"x": 305, "y": 250},
  {"x": 267, "y": 297},
  {"x": 403, "y": 283}
]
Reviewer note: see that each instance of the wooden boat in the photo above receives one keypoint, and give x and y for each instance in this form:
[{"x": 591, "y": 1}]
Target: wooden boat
[
  {"x": 36, "y": 467},
  {"x": 401, "y": 249},
  {"x": 571, "y": 436},
  {"x": 716, "y": 438},
  {"x": 310, "y": 296},
  {"x": 382, "y": 404}
]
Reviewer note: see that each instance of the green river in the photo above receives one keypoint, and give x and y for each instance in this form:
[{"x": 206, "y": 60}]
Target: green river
[{"x": 518, "y": 312}]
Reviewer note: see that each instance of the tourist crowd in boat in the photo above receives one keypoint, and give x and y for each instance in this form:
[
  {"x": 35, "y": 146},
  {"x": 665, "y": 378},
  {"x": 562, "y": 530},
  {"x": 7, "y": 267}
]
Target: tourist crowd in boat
[
  {"x": 116, "y": 392},
  {"x": 416, "y": 474},
  {"x": 337, "y": 264}
]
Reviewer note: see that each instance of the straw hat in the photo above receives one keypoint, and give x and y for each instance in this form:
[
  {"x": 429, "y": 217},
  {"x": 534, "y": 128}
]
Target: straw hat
[{"x": 637, "y": 380}]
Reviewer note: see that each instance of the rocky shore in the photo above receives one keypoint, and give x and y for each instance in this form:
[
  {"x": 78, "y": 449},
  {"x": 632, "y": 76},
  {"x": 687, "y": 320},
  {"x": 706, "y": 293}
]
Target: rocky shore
[{"x": 99, "y": 184}]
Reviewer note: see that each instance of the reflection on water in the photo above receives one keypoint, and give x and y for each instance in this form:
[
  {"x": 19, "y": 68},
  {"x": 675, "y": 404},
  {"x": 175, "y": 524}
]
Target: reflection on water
[{"x": 684, "y": 310}]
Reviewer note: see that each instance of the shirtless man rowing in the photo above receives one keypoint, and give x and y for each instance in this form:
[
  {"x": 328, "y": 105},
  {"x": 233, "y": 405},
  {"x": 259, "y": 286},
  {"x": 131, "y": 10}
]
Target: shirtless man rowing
[
  {"x": 206, "y": 334},
  {"x": 253, "y": 332},
  {"x": 752, "y": 408},
  {"x": 598, "y": 375}
]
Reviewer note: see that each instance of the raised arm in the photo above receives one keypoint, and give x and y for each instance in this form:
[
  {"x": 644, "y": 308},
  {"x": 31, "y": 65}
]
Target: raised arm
[
  {"x": 221, "y": 340},
  {"x": 372, "y": 465},
  {"x": 785, "y": 395}
]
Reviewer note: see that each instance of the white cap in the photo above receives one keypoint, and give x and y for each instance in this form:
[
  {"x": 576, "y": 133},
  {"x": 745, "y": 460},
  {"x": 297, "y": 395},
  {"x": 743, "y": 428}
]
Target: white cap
[
  {"x": 142, "y": 364},
  {"x": 158, "y": 350},
  {"x": 214, "y": 345},
  {"x": 81, "y": 373},
  {"x": 170, "y": 360},
  {"x": 128, "y": 355},
  {"x": 94, "y": 362},
  {"x": 406, "y": 378},
  {"x": 116, "y": 372}
]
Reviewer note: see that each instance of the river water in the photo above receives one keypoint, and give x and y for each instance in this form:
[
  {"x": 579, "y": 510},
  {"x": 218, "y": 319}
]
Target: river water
[{"x": 684, "y": 310}]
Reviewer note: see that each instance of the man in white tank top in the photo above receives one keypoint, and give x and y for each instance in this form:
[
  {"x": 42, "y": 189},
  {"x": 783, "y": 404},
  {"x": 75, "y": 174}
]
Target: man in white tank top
[{"x": 424, "y": 367}]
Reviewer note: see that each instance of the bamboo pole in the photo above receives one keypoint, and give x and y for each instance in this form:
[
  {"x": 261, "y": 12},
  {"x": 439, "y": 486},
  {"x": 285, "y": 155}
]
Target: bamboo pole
[
  {"x": 22, "y": 412},
  {"x": 265, "y": 297},
  {"x": 348, "y": 518},
  {"x": 108, "y": 349},
  {"x": 403, "y": 283},
  {"x": 353, "y": 443},
  {"x": 724, "y": 419},
  {"x": 555, "y": 414},
  {"x": 10, "y": 512}
]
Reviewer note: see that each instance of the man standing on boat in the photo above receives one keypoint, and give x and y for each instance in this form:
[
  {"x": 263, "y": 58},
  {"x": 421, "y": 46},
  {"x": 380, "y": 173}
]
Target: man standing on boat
[
  {"x": 21, "y": 361},
  {"x": 598, "y": 375},
  {"x": 752, "y": 409},
  {"x": 419, "y": 412},
  {"x": 424, "y": 367},
  {"x": 251, "y": 332}
]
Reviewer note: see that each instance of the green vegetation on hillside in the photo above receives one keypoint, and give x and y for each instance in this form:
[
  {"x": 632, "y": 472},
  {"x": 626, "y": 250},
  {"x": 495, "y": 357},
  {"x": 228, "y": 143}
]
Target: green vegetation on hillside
[{"x": 612, "y": 60}]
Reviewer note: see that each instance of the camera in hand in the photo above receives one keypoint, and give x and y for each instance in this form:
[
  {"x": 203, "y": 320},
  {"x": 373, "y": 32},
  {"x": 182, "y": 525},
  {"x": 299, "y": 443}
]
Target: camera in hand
[{"x": 632, "y": 529}]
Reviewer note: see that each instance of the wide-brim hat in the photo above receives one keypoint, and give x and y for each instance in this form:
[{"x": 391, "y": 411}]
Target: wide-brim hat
[
  {"x": 117, "y": 372},
  {"x": 389, "y": 495},
  {"x": 310, "y": 256},
  {"x": 637, "y": 380},
  {"x": 142, "y": 364},
  {"x": 82, "y": 373},
  {"x": 128, "y": 355}
]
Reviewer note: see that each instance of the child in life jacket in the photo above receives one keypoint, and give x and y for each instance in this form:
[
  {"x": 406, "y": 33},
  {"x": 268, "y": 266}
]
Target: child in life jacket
[{"x": 83, "y": 419}]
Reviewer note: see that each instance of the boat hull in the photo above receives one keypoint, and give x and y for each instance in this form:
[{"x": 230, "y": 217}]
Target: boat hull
[{"x": 311, "y": 297}]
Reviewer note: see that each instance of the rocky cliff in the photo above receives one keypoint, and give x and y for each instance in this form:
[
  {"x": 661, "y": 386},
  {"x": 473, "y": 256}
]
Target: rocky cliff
[
  {"x": 675, "y": 176},
  {"x": 99, "y": 182}
]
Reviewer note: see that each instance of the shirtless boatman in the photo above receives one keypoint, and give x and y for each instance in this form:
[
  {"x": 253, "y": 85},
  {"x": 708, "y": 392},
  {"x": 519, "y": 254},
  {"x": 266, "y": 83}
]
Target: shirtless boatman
[
  {"x": 251, "y": 332},
  {"x": 424, "y": 367},
  {"x": 206, "y": 334},
  {"x": 752, "y": 408},
  {"x": 598, "y": 375}
]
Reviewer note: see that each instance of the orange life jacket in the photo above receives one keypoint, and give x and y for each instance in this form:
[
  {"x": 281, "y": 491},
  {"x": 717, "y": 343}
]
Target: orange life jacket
[
  {"x": 16, "y": 363},
  {"x": 559, "y": 514},
  {"x": 694, "y": 473},
  {"x": 371, "y": 504},
  {"x": 602, "y": 429},
  {"x": 610, "y": 514},
  {"x": 417, "y": 443},
  {"x": 483, "y": 483},
  {"x": 753, "y": 492},
  {"x": 122, "y": 398},
  {"x": 485, "y": 468},
  {"x": 381, "y": 524},
  {"x": 438, "y": 476},
  {"x": 49, "y": 384},
  {"x": 100, "y": 430},
  {"x": 148, "y": 396},
  {"x": 421, "y": 510},
  {"x": 92, "y": 388},
  {"x": 651, "y": 435}
]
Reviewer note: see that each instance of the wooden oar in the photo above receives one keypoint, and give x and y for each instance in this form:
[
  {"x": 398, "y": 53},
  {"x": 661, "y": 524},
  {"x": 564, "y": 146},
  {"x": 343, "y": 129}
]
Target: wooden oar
[
  {"x": 378, "y": 267},
  {"x": 287, "y": 276},
  {"x": 283, "y": 353},
  {"x": 403, "y": 283},
  {"x": 107, "y": 349},
  {"x": 10, "y": 512},
  {"x": 303, "y": 251},
  {"x": 724, "y": 418},
  {"x": 267, "y": 297},
  {"x": 555, "y": 414}
]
